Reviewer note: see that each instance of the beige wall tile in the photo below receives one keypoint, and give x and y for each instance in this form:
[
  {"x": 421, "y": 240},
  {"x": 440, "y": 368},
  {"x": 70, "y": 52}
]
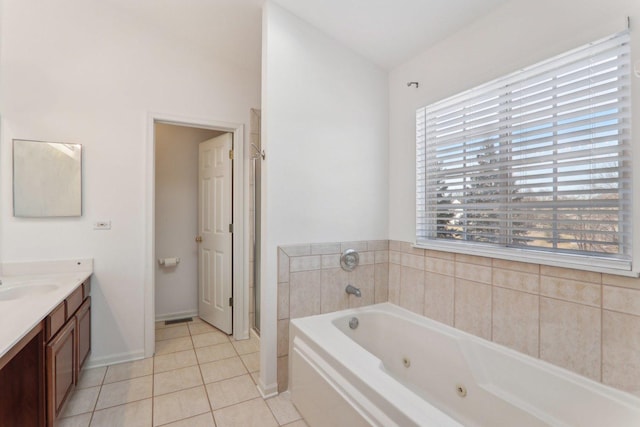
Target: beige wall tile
[
  {"x": 365, "y": 281},
  {"x": 378, "y": 245},
  {"x": 283, "y": 266},
  {"x": 396, "y": 245},
  {"x": 325, "y": 248},
  {"x": 283, "y": 373},
  {"x": 296, "y": 250},
  {"x": 283, "y": 300},
  {"x": 283, "y": 337},
  {"x": 621, "y": 299},
  {"x": 474, "y": 272},
  {"x": 570, "y": 336},
  {"x": 331, "y": 261},
  {"x": 569, "y": 273},
  {"x": 440, "y": 266},
  {"x": 394, "y": 283},
  {"x": 516, "y": 320},
  {"x": 333, "y": 296},
  {"x": 439, "y": 254},
  {"x": 412, "y": 289},
  {"x": 626, "y": 282},
  {"x": 412, "y": 261},
  {"x": 359, "y": 246},
  {"x": 472, "y": 259},
  {"x": 523, "y": 267},
  {"x": 305, "y": 263},
  {"x": 438, "y": 297},
  {"x": 621, "y": 351},
  {"x": 517, "y": 280},
  {"x": 382, "y": 257},
  {"x": 571, "y": 290},
  {"x": 381, "y": 283},
  {"x": 304, "y": 294},
  {"x": 472, "y": 310},
  {"x": 367, "y": 258},
  {"x": 395, "y": 257}
]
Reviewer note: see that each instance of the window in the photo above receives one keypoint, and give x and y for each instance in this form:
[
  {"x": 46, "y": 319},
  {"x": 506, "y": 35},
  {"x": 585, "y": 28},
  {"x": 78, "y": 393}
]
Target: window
[{"x": 537, "y": 161}]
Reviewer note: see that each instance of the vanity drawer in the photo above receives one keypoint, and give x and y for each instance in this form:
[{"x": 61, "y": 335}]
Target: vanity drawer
[
  {"x": 55, "y": 321},
  {"x": 74, "y": 301}
]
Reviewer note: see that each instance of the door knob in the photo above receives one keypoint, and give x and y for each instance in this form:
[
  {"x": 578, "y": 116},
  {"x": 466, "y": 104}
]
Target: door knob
[{"x": 198, "y": 239}]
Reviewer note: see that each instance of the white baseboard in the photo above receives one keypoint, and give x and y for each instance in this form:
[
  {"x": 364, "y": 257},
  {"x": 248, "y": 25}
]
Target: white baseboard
[
  {"x": 176, "y": 315},
  {"x": 94, "y": 362},
  {"x": 267, "y": 392}
]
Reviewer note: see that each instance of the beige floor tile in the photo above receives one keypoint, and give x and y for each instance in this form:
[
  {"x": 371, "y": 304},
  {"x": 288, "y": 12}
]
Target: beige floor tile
[
  {"x": 82, "y": 420},
  {"x": 255, "y": 376},
  {"x": 251, "y": 361},
  {"x": 125, "y": 392},
  {"x": 173, "y": 345},
  {"x": 222, "y": 369},
  {"x": 170, "y": 333},
  {"x": 231, "y": 391},
  {"x": 91, "y": 377},
  {"x": 178, "y": 379},
  {"x": 128, "y": 370},
  {"x": 253, "y": 413},
  {"x": 180, "y": 359},
  {"x": 180, "y": 405},
  {"x": 251, "y": 345},
  {"x": 210, "y": 338},
  {"x": 202, "y": 328},
  {"x": 134, "y": 414},
  {"x": 203, "y": 420},
  {"x": 81, "y": 401},
  {"x": 299, "y": 423},
  {"x": 283, "y": 409},
  {"x": 162, "y": 325},
  {"x": 215, "y": 352}
]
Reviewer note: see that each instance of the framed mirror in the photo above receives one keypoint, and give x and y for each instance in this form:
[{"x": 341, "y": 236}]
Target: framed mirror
[{"x": 47, "y": 179}]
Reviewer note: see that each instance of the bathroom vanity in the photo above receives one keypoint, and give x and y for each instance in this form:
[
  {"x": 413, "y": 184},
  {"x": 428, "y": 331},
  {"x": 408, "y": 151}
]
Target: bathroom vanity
[{"x": 45, "y": 339}]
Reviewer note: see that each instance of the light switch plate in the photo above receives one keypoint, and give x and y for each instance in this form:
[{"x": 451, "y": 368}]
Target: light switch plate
[{"x": 102, "y": 225}]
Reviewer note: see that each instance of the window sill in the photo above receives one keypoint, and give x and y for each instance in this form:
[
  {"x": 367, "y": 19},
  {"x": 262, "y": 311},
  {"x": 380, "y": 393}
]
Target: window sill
[{"x": 577, "y": 262}]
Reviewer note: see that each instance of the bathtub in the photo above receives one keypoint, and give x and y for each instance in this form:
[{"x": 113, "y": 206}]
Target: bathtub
[{"x": 400, "y": 369}]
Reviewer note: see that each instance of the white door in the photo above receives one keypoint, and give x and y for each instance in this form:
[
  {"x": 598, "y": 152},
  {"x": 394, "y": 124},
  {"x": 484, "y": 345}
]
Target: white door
[{"x": 215, "y": 237}]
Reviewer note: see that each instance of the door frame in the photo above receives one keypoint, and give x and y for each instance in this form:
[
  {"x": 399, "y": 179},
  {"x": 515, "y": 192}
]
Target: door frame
[{"x": 239, "y": 253}]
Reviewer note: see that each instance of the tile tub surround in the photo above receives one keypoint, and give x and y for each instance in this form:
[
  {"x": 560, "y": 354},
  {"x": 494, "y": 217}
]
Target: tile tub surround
[
  {"x": 311, "y": 281},
  {"x": 583, "y": 321}
]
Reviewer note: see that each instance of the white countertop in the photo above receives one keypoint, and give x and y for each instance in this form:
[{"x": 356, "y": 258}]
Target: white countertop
[{"x": 18, "y": 316}]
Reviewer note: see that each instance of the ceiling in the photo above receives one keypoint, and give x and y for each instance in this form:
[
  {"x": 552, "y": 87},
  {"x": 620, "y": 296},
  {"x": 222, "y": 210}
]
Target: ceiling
[{"x": 389, "y": 32}]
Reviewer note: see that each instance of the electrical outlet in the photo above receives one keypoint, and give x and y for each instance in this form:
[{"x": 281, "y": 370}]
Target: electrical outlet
[{"x": 102, "y": 225}]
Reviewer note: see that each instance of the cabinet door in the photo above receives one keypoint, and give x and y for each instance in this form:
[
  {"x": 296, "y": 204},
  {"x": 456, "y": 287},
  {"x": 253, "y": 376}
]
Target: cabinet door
[
  {"x": 61, "y": 369},
  {"x": 83, "y": 331}
]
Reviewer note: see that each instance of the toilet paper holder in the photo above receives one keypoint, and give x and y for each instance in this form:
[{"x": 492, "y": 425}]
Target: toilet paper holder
[{"x": 169, "y": 262}]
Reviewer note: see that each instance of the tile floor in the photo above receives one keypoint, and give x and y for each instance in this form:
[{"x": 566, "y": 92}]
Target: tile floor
[{"x": 198, "y": 378}]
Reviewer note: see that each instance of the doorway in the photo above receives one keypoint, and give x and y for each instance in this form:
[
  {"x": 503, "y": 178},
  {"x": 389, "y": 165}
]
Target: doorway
[{"x": 164, "y": 283}]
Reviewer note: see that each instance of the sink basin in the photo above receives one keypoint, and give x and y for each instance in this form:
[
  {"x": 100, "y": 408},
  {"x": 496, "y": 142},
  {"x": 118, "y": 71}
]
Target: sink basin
[{"x": 25, "y": 290}]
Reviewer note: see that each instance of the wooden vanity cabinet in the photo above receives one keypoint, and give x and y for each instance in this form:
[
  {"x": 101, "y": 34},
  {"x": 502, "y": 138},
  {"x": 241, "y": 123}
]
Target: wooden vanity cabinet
[
  {"x": 61, "y": 369},
  {"x": 68, "y": 350}
]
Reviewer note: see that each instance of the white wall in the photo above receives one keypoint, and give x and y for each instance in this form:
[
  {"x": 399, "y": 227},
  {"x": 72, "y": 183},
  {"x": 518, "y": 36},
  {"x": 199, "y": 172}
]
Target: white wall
[
  {"x": 515, "y": 35},
  {"x": 325, "y": 136},
  {"x": 88, "y": 72},
  {"x": 177, "y": 218}
]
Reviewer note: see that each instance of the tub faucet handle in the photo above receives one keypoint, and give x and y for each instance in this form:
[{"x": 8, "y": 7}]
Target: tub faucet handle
[{"x": 352, "y": 290}]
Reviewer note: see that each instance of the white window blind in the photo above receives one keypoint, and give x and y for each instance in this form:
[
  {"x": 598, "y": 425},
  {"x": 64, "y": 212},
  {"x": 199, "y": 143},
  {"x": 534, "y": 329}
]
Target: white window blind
[{"x": 538, "y": 160}]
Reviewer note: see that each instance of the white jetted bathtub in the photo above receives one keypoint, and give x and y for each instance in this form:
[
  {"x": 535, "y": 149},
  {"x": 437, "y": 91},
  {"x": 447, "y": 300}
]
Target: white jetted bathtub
[{"x": 399, "y": 369}]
